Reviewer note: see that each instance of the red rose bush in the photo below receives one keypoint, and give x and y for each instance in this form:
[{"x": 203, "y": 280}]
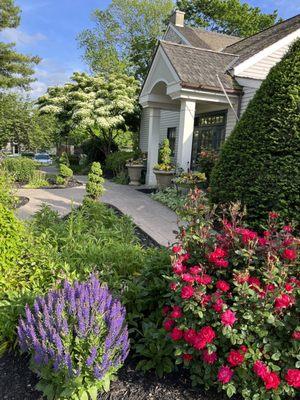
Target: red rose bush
[{"x": 233, "y": 314}]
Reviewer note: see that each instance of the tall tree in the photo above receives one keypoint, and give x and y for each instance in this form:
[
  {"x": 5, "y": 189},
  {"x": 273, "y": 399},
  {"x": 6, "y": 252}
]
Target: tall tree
[
  {"x": 16, "y": 70},
  {"x": 231, "y": 17},
  {"x": 124, "y": 35},
  {"x": 99, "y": 105}
]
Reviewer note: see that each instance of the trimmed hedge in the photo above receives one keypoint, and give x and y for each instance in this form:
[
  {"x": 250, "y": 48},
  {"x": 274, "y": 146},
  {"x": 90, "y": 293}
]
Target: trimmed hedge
[{"x": 260, "y": 162}]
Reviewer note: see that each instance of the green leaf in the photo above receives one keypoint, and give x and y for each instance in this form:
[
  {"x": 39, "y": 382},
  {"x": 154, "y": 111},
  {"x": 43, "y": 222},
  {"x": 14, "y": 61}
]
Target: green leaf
[
  {"x": 93, "y": 392},
  {"x": 230, "y": 391},
  {"x": 84, "y": 396}
]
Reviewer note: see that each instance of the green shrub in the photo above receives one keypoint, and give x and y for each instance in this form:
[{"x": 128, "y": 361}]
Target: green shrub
[
  {"x": 37, "y": 180},
  {"x": 26, "y": 270},
  {"x": 259, "y": 163},
  {"x": 65, "y": 171},
  {"x": 116, "y": 162},
  {"x": 94, "y": 186},
  {"x": 21, "y": 168},
  {"x": 206, "y": 161},
  {"x": 60, "y": 180},
  {"x": 170, "y": 197},
  {"x": 64, "y": 159},
  {"x": 7, "y": 197}
]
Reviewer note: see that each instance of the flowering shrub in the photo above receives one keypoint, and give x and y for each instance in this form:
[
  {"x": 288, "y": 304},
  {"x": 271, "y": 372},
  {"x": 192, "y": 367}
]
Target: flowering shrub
[
  {"x": 234, "y": 306},
  {"x": 77, "y": 339}
]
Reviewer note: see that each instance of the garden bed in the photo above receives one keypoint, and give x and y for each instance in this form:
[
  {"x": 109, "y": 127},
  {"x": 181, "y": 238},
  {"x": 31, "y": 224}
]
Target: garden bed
[
  {"x": 71, "y": 184},
  {"x": 18, "y": 383}
]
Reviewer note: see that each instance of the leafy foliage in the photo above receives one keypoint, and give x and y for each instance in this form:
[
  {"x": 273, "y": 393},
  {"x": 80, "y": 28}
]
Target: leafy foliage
[
  {"x": 231, "y": 17},
  {"x": 170, "y": 197},
  {"x": 99, "y": 105},
  {"x": 206, "y": 161},
  {"x": 259, "y": 163},
  {"x": 77, "y": 339},
  {"x": 16, "y": 69},
  {"x": 165, "y": 163},
  {"x": 124, "y": 36},
  {"x": 21, "y": 169},
  {"x": 65, "y": 173},
  {"x": 232, "y": 314},
  {"x": 94, "y": 186},
  {"x": 7, "y": 198},
  {"x": 116, "y": 162}
]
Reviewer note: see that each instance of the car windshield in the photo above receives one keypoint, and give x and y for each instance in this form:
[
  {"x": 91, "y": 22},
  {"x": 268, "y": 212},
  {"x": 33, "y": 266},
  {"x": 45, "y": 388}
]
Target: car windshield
[{"x": 42, "y": 157}]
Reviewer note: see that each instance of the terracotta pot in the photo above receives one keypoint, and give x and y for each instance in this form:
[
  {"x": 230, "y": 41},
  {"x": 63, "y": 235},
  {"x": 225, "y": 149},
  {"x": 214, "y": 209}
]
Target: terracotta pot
[
  {"x": 164, "y": 178},
  {"x": 134, "y": 172}
]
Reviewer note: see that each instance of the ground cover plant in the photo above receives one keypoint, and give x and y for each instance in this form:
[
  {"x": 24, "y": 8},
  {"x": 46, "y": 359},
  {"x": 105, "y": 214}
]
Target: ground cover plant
[
  {"x": 233, "y": 310},
  {"x": 170, "y": 197},
  {"x": 77, "y": 338},
  {"x": 259, "y": 162}
]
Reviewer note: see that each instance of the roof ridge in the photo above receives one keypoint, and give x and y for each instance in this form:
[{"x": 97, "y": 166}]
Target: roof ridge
[
  {"x": 263, "y": 30},
  {"x": 197, "y": 48}
]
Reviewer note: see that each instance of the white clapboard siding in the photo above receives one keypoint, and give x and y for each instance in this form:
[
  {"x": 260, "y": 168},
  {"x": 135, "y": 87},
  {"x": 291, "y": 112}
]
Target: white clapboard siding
[
  {"x": 249, "y": 93},
  {"x": 261, "y": 69},
  {"x": 169, "y": 119},
  {"x": 231, "y": 120},
  {"x": 144, "y": 130}
]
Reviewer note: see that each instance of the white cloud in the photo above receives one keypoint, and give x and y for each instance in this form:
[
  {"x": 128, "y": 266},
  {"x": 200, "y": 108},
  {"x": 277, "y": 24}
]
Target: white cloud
[{"x": 21, "y": 38}]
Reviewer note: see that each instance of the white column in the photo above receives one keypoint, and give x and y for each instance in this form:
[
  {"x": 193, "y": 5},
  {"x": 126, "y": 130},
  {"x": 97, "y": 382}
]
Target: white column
[
  {"x": 153, "y": 144},
  {"x": 185, "y": 133}
]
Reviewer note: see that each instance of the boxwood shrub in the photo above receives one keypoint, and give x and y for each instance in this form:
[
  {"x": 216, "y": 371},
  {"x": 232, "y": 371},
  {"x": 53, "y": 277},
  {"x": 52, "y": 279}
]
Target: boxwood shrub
[{"x": 260, "y": 161}]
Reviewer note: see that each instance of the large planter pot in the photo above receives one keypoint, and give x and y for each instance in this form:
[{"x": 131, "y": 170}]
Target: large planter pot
[
  {"x": 164, "y": 178},
  {"x": 134, "y": 172}
]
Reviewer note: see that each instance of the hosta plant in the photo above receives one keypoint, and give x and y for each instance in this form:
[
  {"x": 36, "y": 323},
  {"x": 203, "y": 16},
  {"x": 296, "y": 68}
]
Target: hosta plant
[
  {"x": 233, "y": 314},
  {"x": 77, "y": 339}
]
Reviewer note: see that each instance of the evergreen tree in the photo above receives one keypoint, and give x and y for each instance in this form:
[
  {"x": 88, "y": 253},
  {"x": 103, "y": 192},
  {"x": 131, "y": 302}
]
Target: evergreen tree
[
  {"x": 16, "y": 69},
  {"x": 260, "y": 161}
]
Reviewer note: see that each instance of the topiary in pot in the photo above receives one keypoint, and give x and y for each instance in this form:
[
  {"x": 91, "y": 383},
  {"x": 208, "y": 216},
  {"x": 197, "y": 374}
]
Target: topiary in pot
[
  {"x": 259, "y": 162},
  {"x": 164, "y": 170},
  {"x": 94, "y": 186},
  {"x": 77, "y": 339}
]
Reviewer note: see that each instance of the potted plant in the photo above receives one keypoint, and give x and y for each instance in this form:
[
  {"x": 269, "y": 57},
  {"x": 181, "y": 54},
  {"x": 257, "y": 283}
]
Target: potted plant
[
  {"x": 135, "y": 167},
  {"x": 164, "y": 170}
]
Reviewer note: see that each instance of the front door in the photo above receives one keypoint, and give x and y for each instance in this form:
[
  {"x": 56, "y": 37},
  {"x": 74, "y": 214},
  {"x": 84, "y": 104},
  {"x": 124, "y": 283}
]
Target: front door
[{"x": 209, "y": 133}]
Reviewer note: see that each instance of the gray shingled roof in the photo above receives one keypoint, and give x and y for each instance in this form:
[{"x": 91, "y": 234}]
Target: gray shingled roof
[
  {"x": 198, "y": 68},
  {"x": 250, "y": 46},
  {"x": 199, "y": 37}
]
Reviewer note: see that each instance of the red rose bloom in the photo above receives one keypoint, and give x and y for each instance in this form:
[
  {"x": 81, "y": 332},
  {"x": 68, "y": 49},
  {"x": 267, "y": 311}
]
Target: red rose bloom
[
  {"x": 187, "y": 357},
  {"x": 218, "y": 305},
  {"x": 168, "y": 324},
  {"x": 177, "y": 249},
  {"x": 187, "y": 278},
  {"x": 273, "y": 215},
  {"x": 217, "y": 258},
  {"x": 225, "y": 374},
  {"x": 296, "y": 335},
  {"x": 176, "y": 312},
  {"x": 165, "y": 310},
  {"x": 293, "y": 378},
  {"x": 235, "y": 358},
  {"x": 272, "y": 380},
  {"x": 283, "y": 301},
  {"x": 195, "y": 270},
  {"x": 187, "y": 292},
  {"x": 204, "y": 279},
  {"x": 244, "y": 348},
  {"x": 228, "y": 318},
  {"x": 222, "y": 285},
  {"x": 209, "y": 358},
  {"x": 287, "y": 228},
  {"x": 179, "y": 268},
  {"x": 173, "y": 286},
  {"x": 199, "y": 343},
  {"x": 207, "y": 334},
  {"x": 248, "y": 236},
  {"x": 176, "y": 334},
  {"x": 288, "y": 287},
  {"x": 260, "y": 369},
  {"x": 189, "y": 336},
  {"x": 254, "y": 282},
  {"x": 289, "y": 254},
  {"x": 222, "y": 263}
]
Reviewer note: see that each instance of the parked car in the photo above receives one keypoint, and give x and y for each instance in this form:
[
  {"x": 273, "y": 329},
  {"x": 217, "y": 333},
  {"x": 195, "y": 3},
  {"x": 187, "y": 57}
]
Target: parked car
[{"x": 43, "y": 158}]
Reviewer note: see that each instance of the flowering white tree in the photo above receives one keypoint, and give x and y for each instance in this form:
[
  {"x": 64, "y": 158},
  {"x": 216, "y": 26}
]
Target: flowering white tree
[{"x": 97, "y": 104}]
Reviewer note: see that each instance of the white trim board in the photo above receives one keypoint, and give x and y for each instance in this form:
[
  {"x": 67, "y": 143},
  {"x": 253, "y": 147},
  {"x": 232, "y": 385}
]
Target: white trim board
[{"x": 266, "y": 52}]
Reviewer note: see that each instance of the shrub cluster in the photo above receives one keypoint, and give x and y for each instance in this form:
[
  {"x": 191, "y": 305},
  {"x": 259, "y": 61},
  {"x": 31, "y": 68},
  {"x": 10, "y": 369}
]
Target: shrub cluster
[
  {"x": 7, "y": 197},
  {"x": 21, "y": 169},
  {"x": 259, "y": 162},
  {"x": 234, "y": 306},
  {"x": 116, "y": 162},
  {"x": 77, "y": 339},
  {"x": 94, "y": 186},
  {"x": 65, "y": 174}
]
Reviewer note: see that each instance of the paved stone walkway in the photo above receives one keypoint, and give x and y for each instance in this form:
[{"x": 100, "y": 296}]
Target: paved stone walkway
[{"x": 154, "y": 218}]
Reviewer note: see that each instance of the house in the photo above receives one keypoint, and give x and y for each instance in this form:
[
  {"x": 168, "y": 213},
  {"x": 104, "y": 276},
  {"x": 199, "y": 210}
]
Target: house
[{"x": 199, "y": 83}]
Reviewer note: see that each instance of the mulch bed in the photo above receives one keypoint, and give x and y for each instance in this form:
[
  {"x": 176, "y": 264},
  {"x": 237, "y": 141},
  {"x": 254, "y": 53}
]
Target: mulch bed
[
  {"x": 21, "y": 201},
  {"x": 18, "y": 383}
]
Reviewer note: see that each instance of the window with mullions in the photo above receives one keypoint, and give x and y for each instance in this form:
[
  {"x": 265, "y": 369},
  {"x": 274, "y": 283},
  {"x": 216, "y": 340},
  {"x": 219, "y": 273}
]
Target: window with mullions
[
  {"x": 171, "y": 135},
  {"x": 209, "y": 133}
]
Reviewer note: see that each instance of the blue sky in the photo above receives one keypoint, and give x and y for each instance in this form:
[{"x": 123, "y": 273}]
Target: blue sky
[{"x": 49, "y": 29}]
